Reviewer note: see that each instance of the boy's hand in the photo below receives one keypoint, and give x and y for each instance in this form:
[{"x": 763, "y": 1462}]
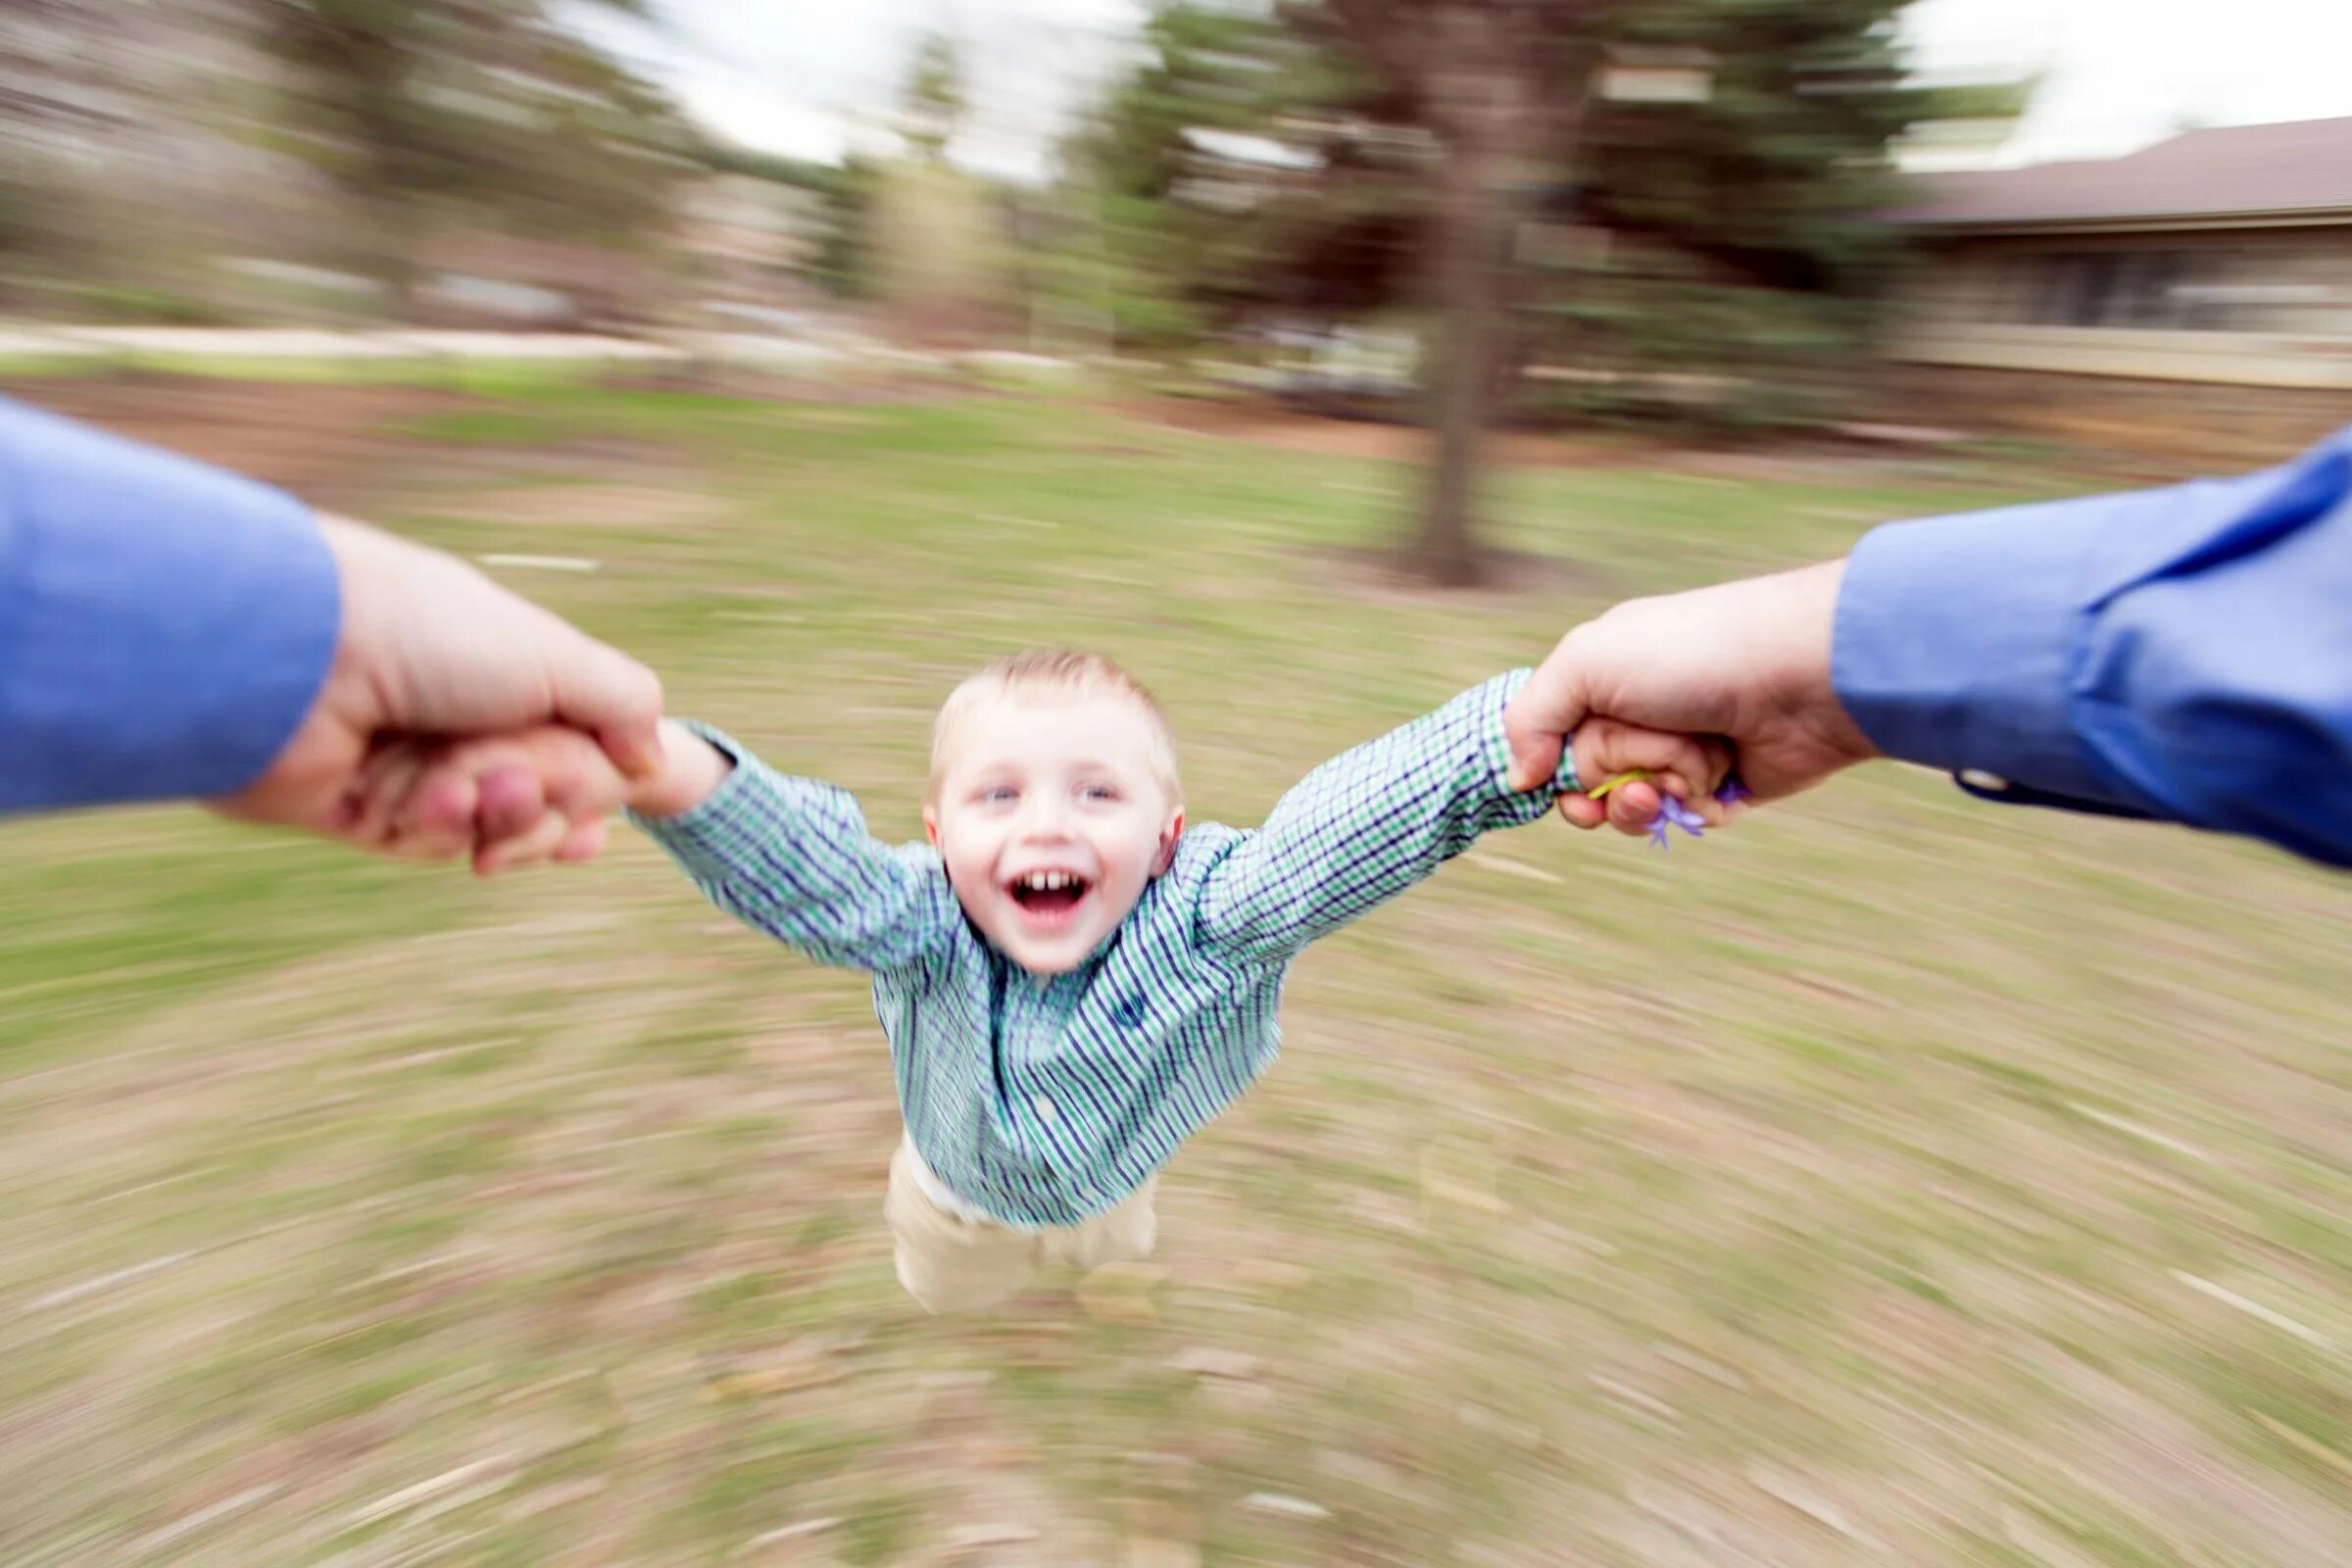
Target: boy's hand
[
  {"x": 515, "y": 800},
  {"x": 1746, "y": 661},
  {"x": 1687, "y": 768},
  {"x": 504, "y": 800}
]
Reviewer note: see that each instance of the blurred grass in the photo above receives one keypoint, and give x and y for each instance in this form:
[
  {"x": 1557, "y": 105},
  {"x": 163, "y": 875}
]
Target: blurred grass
[{"x": 1895, "y": 1180}]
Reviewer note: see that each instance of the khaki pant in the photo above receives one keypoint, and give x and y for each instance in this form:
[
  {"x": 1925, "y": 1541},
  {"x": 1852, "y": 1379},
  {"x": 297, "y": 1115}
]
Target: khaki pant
[{"x": 958, "y": 1263}]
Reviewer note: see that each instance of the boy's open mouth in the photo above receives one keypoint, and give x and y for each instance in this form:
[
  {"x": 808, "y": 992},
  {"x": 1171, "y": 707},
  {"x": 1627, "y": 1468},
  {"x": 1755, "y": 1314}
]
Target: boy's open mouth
[{"x": 1048, "y": 896}]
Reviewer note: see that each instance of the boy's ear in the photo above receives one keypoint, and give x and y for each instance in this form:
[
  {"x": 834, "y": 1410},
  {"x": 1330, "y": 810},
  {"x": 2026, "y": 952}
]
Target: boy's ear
[
  {"x": 931, "y": 824},
  {"x": 1168, "y": 837}
]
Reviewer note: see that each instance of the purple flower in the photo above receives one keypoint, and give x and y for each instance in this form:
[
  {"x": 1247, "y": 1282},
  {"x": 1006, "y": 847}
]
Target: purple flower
[
  {"x": 1733, "y": 791},
  {"x": 1674, "y": 814}
]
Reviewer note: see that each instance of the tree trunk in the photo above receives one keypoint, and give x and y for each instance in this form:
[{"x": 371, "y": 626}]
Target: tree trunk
[
  {"x": 1460, "y": 365},
  {"x": 1479, "y": 91}
]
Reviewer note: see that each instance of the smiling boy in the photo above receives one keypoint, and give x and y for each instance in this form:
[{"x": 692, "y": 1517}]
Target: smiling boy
[{"x": 1071, "y": 981}]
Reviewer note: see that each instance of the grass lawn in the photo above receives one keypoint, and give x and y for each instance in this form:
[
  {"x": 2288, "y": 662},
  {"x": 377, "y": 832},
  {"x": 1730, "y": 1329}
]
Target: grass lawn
[{"x": 1895, "y": 1181}]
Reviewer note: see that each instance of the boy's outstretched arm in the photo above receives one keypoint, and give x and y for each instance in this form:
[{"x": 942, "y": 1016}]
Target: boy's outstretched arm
[
  {"x": 1373, "y": 821},
  {"x": 792, "y": 858},
  {"x": 786, "y": 856}
]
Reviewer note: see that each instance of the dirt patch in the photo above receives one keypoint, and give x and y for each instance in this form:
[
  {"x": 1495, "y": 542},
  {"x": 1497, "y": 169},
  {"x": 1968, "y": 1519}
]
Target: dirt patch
[
  {"x": 1265, "y": 424},
  {"x": 2132, "y": 429},
  {"x": 1272, "y": 425},
  {"x": 1389, "y": 577},
  {"x": 749, "y": 385},
  {"x": 2120, "y": 430},
  {"x": 597, "y": 505},
  {"x": 623, "y": 460},
  {"x": 318, "y": 441},
  {"x": 350, "y": 446}
]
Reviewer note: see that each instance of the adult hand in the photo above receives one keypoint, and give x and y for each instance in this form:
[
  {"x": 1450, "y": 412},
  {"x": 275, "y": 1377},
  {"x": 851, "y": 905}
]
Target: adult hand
[
  {"x": 430, "y": 647},
  {"x": 1748, "y": 661}
]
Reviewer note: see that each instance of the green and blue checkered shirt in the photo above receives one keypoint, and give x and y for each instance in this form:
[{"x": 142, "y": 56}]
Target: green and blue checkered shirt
[{"x": 1044, "y": 1100}]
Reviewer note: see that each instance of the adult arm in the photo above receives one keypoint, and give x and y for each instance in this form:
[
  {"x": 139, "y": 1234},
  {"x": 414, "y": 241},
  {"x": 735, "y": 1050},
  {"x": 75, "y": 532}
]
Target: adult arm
[
  {"x": 2183, "y": 653},
  {"x": 169, "y": 630}
]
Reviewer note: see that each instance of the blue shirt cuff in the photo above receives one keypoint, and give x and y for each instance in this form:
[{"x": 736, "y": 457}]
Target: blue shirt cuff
[
  {"x": 165, "y": 626},
  {"x": 1955, "y": 642},
  {"x": 1971, "y": 642}
]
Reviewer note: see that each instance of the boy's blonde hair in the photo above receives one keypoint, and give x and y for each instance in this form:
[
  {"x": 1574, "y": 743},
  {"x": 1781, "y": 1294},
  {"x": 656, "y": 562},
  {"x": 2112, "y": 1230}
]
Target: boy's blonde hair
[{"x": 1054, "y": 671}]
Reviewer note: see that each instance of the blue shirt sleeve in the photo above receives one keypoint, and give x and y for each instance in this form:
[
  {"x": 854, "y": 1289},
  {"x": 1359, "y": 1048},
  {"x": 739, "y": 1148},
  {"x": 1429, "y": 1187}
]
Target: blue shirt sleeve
[
  {"x": 2183, "y": 653},
  {"x": 164, "y": 625}
]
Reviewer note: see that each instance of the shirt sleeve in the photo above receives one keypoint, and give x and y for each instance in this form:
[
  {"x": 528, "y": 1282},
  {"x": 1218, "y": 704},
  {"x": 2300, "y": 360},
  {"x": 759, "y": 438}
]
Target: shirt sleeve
[
  {"x": 164, "y": 625},
  {"x": 1370, "y": 823},
  {"x": 792, "y": 858},
  {"x": 2183, "y": 653}
]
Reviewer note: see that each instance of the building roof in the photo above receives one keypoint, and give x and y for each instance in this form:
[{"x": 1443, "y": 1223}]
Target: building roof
[{"x": 2302, "y": 169}]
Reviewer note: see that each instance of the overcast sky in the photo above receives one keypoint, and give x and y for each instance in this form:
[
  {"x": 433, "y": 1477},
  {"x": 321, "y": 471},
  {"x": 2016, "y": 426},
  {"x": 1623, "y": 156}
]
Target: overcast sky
[{"x": 810, "y": 78}]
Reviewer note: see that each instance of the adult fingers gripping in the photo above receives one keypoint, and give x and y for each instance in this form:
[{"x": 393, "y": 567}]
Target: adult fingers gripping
[
  {"x": 1688, "y": 768},
  {"x": 1538, "y": 720},
  {"x": 601, "y": 690},
  {"x": 378, "y": 797},
  {"x": 563, "y": 788},
  {"x": 541, "y": 842}
]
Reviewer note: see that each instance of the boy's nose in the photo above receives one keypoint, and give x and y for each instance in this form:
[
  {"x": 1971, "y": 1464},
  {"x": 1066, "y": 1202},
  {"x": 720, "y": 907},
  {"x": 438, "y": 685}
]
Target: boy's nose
[{"x": 1044, "y": 819}]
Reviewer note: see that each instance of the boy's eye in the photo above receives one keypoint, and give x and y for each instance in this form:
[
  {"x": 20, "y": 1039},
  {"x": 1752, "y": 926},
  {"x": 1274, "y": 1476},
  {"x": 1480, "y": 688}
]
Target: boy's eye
[
  {"x": 997, "y": 794},
  {"x": 1098, "y": 792}
]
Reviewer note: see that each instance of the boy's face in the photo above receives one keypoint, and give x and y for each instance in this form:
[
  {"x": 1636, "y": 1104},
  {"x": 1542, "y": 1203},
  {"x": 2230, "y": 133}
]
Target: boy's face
[{"x": 1052, "y": 821}]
